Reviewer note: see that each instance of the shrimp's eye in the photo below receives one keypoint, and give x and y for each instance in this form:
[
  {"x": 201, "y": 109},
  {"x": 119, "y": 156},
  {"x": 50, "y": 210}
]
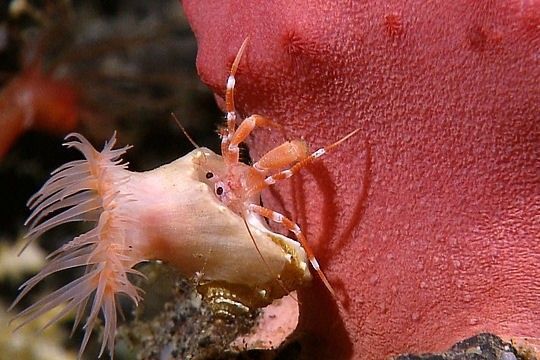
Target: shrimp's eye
[
  {"x": 209, "y": 175},
  {"x": 219, "y": 190}
]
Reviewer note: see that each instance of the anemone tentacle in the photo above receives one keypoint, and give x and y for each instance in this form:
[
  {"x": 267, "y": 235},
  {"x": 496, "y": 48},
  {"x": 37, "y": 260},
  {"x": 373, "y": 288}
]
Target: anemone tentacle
[{"x": 85, "y": 190}]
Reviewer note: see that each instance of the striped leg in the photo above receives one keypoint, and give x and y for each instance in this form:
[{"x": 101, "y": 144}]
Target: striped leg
[
  {"x": 231, "y": 153},
  {"x": 292, "y": 226},
  {"x": 287, "y": 173},
  {"x": 229, "y": 99}
]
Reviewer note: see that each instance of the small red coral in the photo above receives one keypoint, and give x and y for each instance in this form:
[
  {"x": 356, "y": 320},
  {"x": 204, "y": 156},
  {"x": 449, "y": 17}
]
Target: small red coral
[{"x": 36, "y": 100}]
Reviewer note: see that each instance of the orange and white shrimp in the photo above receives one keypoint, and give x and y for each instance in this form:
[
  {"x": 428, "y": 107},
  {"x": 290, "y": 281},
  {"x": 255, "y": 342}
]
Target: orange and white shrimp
[
  {"x": 200, "y": 213},
  {"x": 238, "y": 186}
]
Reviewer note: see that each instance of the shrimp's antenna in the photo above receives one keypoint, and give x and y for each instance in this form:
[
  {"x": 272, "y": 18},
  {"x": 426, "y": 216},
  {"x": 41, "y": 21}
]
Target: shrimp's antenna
[
  {"x": 184, "y": 131},
  {"x": 266, "y": 263}
]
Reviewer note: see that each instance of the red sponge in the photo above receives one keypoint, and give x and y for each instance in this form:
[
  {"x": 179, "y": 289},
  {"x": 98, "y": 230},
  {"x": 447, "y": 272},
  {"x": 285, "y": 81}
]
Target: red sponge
[{"x": 427, "y": 223}]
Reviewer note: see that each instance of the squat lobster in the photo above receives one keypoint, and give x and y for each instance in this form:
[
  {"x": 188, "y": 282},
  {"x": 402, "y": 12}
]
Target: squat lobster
[{"x": 238, "y": 186}]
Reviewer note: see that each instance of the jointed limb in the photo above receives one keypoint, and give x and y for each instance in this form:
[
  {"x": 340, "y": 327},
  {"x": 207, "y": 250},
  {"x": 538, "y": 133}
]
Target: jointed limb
[
  {"x": 292, "y": 226},
  {"x": 229, "y": 93},
  {"x": 231, "y": 151},
  {"x": 287, "y": 173}
]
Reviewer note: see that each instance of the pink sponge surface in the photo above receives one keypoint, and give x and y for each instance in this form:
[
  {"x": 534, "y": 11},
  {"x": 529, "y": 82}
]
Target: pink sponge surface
[{"x": 428, "y": 222}]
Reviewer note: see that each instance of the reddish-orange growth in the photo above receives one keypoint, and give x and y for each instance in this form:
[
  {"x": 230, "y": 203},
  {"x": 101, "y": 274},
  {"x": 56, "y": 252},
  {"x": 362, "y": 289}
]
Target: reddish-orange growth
[
  {"x": 37, "y": 100},
  {"x": 394, "y": 25}
]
